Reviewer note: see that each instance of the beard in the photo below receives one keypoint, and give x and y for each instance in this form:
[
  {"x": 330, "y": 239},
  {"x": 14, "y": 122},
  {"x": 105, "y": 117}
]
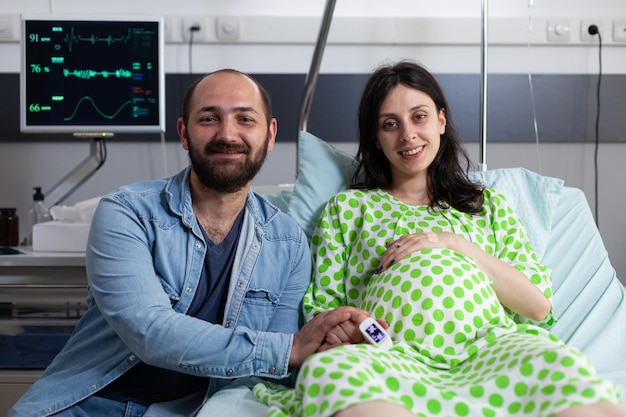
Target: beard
[{"x": 226, "y": 176}]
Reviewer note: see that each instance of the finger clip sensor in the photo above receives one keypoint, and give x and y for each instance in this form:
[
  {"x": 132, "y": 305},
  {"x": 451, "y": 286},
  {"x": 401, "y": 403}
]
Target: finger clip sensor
[{"x": 374, "y": 333}]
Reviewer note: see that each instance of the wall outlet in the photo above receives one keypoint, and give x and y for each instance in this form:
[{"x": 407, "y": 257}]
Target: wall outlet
[
  {"x": 585, "y": 36},
  {"x": 193, "y": 22}
]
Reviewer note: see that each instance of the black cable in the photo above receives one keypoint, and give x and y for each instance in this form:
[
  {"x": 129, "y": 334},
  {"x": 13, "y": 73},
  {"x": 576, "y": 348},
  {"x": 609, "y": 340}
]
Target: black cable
[
  {"x": 593, "y": 30},
  {"x": 192, "y": 30}
]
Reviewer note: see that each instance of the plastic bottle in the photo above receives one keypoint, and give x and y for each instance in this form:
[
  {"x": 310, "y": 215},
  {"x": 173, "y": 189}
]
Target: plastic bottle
[
  {"x": 9, "y": 227},
  {"x": 38, "y": 213}
]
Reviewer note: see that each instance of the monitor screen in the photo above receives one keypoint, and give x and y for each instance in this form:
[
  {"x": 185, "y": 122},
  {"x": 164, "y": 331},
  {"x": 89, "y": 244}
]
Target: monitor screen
[{"x": 92, "y": 75}]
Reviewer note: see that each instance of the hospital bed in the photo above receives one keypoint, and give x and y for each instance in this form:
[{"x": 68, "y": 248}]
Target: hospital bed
[{"x": 588, "y": 298}]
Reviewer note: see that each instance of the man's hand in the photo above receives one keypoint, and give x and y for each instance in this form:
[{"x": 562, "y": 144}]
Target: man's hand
[
  {"x": 347, "y": 332},
  {"x": 313, "y": 334}
]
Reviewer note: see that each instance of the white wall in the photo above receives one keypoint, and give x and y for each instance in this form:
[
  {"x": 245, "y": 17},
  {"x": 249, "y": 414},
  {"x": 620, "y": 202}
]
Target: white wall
[{"x": 448, "y": 41}]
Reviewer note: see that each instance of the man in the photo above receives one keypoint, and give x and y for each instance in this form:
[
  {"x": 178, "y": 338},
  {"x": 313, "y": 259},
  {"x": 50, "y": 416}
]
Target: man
[{"x": 194, "y": 281}]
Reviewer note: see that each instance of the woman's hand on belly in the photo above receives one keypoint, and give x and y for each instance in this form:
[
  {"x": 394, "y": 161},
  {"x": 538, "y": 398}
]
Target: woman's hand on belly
[{"x": 399, "y": 248}]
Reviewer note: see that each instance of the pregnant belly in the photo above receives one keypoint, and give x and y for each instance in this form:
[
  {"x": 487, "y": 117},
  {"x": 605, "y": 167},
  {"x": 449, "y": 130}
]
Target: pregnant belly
[{"x": 438, "y": 303}]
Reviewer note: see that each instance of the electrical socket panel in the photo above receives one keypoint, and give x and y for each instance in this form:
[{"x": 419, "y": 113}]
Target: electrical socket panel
[
  {"x": 619, "y": 30},
  {"x": 188, "y": 23},
  {"x": 8, "y": 31},
  {"x": 168, "y": 29},
  {"x": 228, "y": 28},
  {"x": 585, "y": 36},
  {"x": 559, "y": 30}
]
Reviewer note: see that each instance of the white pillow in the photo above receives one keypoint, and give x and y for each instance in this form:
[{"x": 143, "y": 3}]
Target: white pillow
[
  {"x": 324, "y": 170},
  {"x": 532, "y": 196}
]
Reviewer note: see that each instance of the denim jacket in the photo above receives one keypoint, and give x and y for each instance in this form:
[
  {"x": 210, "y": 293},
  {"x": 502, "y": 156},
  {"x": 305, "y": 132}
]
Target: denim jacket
[{"x": 144, "y": 258}]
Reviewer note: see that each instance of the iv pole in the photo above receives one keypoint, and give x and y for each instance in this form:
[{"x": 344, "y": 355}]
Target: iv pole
[
  {"x": 482, "y": 160},
  {"x": 311, "y": 81}
]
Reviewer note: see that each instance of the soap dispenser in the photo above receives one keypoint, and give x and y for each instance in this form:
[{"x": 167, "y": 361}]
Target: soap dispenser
[{"x": 38, "y": 213}]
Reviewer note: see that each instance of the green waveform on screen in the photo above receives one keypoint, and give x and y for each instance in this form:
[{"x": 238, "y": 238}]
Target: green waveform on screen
[
  {"x": 72, "y": 38},
  {"x": 87, "y": 73},
  {"x": 89, "y": 99}
]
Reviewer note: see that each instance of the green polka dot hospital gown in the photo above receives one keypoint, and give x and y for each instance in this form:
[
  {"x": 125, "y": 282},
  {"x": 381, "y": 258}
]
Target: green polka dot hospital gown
[{"x": 457, "y": 351}]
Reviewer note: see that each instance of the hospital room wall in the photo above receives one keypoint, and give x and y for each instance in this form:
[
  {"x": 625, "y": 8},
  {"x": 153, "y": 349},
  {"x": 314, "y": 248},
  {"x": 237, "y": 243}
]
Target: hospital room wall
[{"x": 28, "y": 164}]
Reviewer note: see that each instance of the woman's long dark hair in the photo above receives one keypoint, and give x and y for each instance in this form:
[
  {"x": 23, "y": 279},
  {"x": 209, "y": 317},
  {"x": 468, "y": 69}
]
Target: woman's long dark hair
[{"x": 448, "y": 183}]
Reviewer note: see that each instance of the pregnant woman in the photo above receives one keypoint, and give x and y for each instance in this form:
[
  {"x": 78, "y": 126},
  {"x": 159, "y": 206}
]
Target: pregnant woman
[{"x": 448, "y": 266}]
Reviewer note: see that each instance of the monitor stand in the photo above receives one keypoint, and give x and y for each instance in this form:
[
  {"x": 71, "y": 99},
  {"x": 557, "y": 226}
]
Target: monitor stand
[{"x": 83, "y": 171}]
